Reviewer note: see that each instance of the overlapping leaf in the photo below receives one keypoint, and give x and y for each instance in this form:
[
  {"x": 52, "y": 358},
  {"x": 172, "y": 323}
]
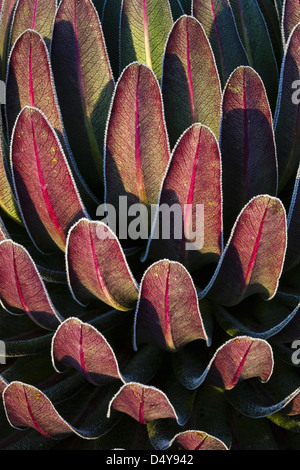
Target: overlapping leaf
[
  {"x": 218, "y": 22},
  {"x": 89, "y": 245},
  {"x": 272, "y": 12},
  {"x": 168, "y": 312},
  {"x": 190, "y": 83},
  {"x": 29, "y": 81},
  {"x": 21, "y": 288},
  {"x": 290, "y": 18},
  {"x": 136, "y": 160},
  {"x": 253, "y": 32},
  {"x": 236, "y": 360},
  {"x": 79, "y": 345},
  {"x": 287, "y": 115},
  {"x": 144, "y": 28},
  {"x": 8, "y": 201},
  {"x": 7, "y": 11},
  {"x": 33, "y": 14},
  {"x": 84, "y": 84},
  {"x": 110, "y": 20},
  {"x": 197, "y": 440},
  {"x": 273, "y": 319},
  {"x": 188, "y": 224},
  {"x": 273, "y": 398},
  {"x": 144, "y": 403},
  {"x": 47, "y": 195},
  {"x": 253, "y": 258},
  {"x": 27, "y": 406},
  {"x": 247, "y": 143}
]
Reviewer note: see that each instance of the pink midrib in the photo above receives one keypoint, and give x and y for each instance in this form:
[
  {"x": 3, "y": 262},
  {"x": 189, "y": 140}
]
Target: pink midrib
[
  {"x": 81, "y": 355},
  {"x": 141, "y": 409},
  {"x": 46, "y": 198},
  {"x": 190, "y": 79},
  {"x": 20, "y": 293},
  {"x": 168, "y": 332},
  {"x": 138, "y": 157},
  {"x": 32, "y": 417},
  {"x": 254, "y": 252},
  {"x": 98, "y": 272},
  {"x": 187, "y": 219},
  {"x": 219, "y": 39},
  {"x": 239, "y": 369},
  {"x": 34, "y": 15},
  {"x": 198, "y": 447}
]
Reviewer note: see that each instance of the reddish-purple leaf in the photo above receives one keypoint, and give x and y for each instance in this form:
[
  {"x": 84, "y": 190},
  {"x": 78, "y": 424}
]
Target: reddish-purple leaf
[
  {"x": 33, "y": 14},
  {"x": 247, "y": 143},
  {"x": 29, "y": 81},
  {"x": 47, "y": 195},
  {"x": 7, "y": 9},
  {"x": 84, "y": 84},
  {"x": 97, "y": 267},
  {"x": 290, "y": 18},
  {"x": 218, "y": 22},
  {"x": 192, "y": 191},
  {"x": 252, "y": 260},
  {"x": 22, "y": 289},
  {"x": 197, "y": 440},
  {"x": 136, "y": 146},
  {"x": 287, "y": 114},
  {"x": 26, "y": 406},
  {"x": 168, "y": 312},
  {"x": 144, "y": 28},
  {"x": 142, "y": 402},
  {"x": 190, "y": 82},
  {"x": 239, "y": 359},
  {"x": 79, "y": 345}
]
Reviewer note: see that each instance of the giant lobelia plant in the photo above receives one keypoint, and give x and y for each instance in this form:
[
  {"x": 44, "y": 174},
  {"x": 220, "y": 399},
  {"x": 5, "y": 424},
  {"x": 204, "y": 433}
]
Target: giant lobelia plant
[{"x": 114, "y": 335}]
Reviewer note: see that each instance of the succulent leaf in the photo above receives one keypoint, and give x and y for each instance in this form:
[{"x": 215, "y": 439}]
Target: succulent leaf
[
  {"x": 90, "y": 276},
  {"x": 168, "y": 312},
  {"x": 190, "y": 84},
  {"x": 84, "y": 87},
  {"x": 144, "y": 28},
  {"x": 217, "y": 19},
  {"x": 136, "y": 162},
  {"x": 149, "y": 239},
  {"x": 49, "y": 201},
  {"x": 35, "y": 15},
  {"x": 246, "y": 142}
]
